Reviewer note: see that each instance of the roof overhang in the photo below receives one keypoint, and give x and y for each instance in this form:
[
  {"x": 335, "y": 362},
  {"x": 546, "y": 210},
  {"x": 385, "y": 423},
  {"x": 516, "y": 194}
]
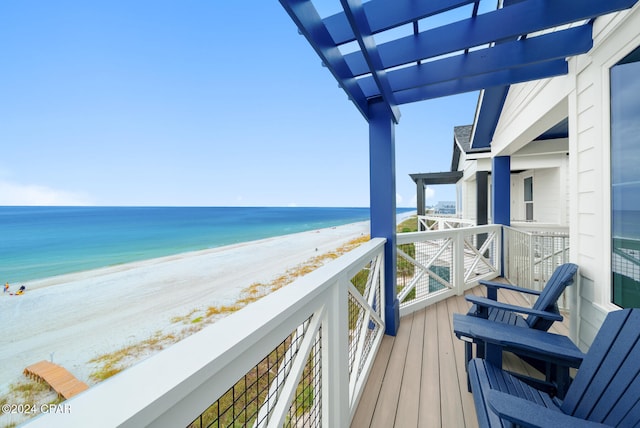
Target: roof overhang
[{"x": 449, "y": 177}]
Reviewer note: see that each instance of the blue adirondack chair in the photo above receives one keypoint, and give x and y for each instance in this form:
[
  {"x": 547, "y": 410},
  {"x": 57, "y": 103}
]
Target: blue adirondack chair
[
  {"x": 540, "y": 316},
  {"x": 605, "y": 391},
  {"x": 553, "y": 354}
]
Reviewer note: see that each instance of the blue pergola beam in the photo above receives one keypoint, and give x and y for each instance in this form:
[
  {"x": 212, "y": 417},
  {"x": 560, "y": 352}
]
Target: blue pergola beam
[
  {"x": 306, "y": 17},
  {"x": 552, "y": 46},
  {"x": 383, "y": 17},
  {"x": 358, "y": 20},
  {"x": 475, "y": 83},
  {"x": 522, "y": 18}
]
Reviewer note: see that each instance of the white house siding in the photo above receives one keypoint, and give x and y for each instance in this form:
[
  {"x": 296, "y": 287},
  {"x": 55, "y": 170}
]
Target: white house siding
[
  {"x": 615, "y": 36},
  {"x": 549, "y": 196},
  {"x": 467, "y": 186},
  {"x": 530, "y": 109},
  {"x": 470, "y": 186}
]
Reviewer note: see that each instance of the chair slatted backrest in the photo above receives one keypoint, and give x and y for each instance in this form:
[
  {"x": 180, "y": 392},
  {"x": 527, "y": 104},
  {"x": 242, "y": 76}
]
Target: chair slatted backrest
[
  {"x": 607, "y": 386},
  {"x": 547, "y": 300}
]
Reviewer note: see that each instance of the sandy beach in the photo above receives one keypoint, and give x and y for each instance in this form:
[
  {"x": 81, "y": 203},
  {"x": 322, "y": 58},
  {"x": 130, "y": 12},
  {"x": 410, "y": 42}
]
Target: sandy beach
[{"x": 73, "y": 318}]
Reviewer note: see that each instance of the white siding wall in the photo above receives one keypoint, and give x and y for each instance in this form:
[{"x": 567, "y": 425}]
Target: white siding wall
[
  {"x": 547, "y": 199},
  {"x": 517, "y": 196},
  {"x": 550, "y": 195},
  {"x": 566, "y": 186},
  {"x": 467, "y": 186},
  {"x": 530, "y": 110},
  {"x": 551, "y": 192},
  {"x": 470, "y": 199},
  {"x": 614, "y": 37}
]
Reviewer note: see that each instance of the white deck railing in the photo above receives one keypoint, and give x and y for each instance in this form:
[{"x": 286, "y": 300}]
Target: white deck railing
[
  {"x": 300, "y": 356},
  {"x": 532, "y": 254},
  {"x": 435, "y": 222},
  {"x": 286, "y": 358},
  {"x": 435, "y": 265}
]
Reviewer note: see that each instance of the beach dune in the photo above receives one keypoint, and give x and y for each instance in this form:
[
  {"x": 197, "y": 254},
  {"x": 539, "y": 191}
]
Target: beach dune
[{"x": 73, "y": 318}]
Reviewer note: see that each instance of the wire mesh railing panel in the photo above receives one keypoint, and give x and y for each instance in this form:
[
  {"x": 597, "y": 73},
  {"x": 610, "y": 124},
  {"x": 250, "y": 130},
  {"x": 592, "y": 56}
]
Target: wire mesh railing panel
[
  {"x": 306, "y": 407},
  {"x": 356, "y": 320},
  {"x": 533, "y": 256},
  {"x": 363, "y": 330},
  {"x": 364, "y": 327},
  {"x": 519, "y": 262},
  {"x": 250, "y": 401},
  {"x": 480, "y": 255},
  {"x": 424, "y": 267}
]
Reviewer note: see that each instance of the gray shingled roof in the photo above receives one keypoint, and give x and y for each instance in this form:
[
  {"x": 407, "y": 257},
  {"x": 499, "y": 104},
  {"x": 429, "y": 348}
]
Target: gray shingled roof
[
  {"x": 462, "y": 142},
  {"x": 462, "y": 134}
]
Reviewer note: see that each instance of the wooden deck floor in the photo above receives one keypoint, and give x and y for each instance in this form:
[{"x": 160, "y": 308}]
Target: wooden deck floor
[{"x": 418, "y": 378}]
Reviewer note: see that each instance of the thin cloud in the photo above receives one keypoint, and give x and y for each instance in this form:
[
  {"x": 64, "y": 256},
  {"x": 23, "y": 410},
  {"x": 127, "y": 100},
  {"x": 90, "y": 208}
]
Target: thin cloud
[
  {"x": 33, "y": 194},
  {"x": 429, "y": 193}
]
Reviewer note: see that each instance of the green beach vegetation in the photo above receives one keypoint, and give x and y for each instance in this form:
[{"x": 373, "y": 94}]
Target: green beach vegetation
[
  {"x": 112, "y": 363},
  {"x": 28, "y": 392}
]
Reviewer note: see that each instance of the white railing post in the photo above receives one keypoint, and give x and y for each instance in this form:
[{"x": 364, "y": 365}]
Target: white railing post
[
  {"x": 532, "y": 261},
  {"x": 506, "y": 250},
  {"x": 335, "y": 359},
  {"x": 458, "y": 261}
]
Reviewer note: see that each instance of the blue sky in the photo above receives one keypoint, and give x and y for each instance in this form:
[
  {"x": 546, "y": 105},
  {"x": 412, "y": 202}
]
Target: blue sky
[{"x": 193, "y": 102}]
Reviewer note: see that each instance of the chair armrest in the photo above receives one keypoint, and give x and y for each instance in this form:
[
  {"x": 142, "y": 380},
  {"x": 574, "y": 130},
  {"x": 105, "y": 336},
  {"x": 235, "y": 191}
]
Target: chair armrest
[
  {"x": 488, "y": 303},
  {"x": 492, "y": 284},
  {"x": 554, "y": 348},
  {"x": 529, "y": 414}
]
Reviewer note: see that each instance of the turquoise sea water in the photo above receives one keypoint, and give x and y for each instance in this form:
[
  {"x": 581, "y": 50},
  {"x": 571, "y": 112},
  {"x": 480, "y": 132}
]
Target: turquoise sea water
[{"x": 39, "y": 242}]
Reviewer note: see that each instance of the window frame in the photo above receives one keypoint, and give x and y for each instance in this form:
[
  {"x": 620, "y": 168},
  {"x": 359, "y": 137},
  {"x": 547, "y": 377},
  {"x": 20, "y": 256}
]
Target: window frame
[
  {"x": 528, "y": 203},
  {"x": 632, "y": 56}
]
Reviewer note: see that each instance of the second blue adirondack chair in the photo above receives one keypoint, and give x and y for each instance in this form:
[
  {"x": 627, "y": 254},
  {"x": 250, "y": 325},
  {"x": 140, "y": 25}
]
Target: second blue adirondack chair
[
  {"x": 540, "y": 316},
  {"x": 543, "y": 312},
  {"x": 605, "y": 391}
]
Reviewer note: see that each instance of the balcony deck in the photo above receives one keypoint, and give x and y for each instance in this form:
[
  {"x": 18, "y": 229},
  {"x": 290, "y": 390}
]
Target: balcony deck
[{"x": 418, "y": 378}]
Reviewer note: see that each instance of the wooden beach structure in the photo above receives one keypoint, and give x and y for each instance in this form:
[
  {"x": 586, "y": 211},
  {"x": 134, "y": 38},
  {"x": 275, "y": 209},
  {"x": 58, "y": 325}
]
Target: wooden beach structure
[
  {"x": 347, "y": 345},
  {"x": 57, "y": 377}
]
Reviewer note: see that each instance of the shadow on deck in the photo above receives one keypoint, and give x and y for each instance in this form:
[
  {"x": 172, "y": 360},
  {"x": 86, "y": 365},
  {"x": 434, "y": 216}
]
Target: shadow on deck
[{"x": 419, "y": 379}]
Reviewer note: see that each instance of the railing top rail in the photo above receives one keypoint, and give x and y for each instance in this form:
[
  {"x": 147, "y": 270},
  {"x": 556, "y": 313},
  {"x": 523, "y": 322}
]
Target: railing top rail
[
  {"x": 408, "y": 237},
  {"x": 540, "y": 230},
  {"x": 154, "y": 392},
  {"x": 451, "y": 218}
]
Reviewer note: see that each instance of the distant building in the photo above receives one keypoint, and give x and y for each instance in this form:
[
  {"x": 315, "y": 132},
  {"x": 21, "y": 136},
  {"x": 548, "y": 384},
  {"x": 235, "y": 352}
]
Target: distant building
[{"x": 445, "y": 207}]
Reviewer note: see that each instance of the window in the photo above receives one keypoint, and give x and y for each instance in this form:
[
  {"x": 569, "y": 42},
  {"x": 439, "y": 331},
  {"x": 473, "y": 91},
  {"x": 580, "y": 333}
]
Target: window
[
  {"x": 625, "y": 181},
  {"x": 528, "y": 198}
]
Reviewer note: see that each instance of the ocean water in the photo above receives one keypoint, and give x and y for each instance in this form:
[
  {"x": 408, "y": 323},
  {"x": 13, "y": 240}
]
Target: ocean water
[
  {"x": 626, "y": 224},
  {"x": 39, "y": 242}
]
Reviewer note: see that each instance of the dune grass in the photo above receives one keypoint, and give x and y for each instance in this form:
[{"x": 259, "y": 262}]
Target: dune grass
[
  {"x": 114, "y": 362},
  {"x": 29, "y": 392}
]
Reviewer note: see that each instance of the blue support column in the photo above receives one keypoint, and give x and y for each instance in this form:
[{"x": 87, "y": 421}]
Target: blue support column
[
  {"x": 502, "y": 190},
  {"x": 501, "y": 200},
  {"x": 382, "y": 177}
]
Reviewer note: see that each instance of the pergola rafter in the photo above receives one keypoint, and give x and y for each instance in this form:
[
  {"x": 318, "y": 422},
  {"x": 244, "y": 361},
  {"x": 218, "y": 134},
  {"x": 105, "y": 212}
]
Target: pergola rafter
[{"x": 483, "y": 50}]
